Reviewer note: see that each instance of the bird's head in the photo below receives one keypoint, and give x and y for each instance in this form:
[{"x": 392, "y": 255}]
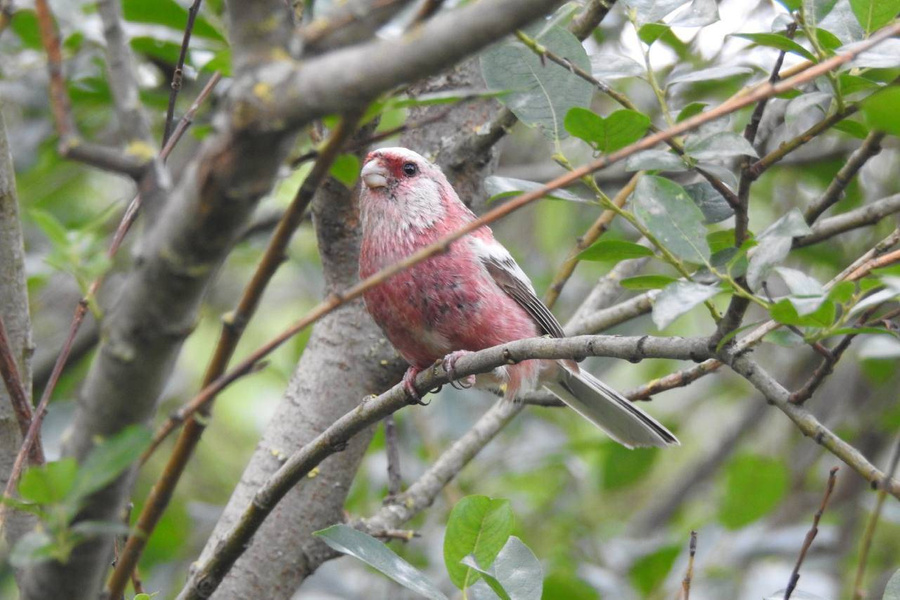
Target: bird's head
[{"x": 403, "y": 187}]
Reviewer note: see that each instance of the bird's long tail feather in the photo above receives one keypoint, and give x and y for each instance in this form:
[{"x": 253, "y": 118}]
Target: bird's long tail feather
[{"x": 607, "y": 409}]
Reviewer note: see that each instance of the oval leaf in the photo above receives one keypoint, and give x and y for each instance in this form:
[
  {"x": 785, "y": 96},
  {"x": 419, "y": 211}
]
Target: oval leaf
[
  {"x": 479, "y": 526},
  {"x": 880, "y": 111},
  {"x": 540, "y": 94},
  {"x": 678, "y": 298},
  {"x": 348, "y": 540},
  {"x": 516, "y": 573},
  {"x": 614, "y": 251},
  {"x": 655, "y": 160},
  {"x": 892, "y": 590},
  {"x": 710, "y": 202},
  {"x": 503, "y": 187},
  {"x": 647, "y": 282},
  {"x": 723, "y": 144},
  {"x": 669, "y": 213},
  {"x": 108, "y": 459},
  {"x": 610, "y": 134},
  {"x": 776, "y": 40}
]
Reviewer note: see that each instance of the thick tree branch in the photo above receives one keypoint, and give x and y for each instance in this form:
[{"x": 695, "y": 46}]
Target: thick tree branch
[
  {"x": 347, "y": 79},
  {"x": 15, "y": 316},
  {"x": 347, "y": 24}
]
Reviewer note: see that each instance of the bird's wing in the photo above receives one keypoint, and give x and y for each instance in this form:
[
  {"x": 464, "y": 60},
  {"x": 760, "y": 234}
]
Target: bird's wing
[{"x": 511, "y": 279}]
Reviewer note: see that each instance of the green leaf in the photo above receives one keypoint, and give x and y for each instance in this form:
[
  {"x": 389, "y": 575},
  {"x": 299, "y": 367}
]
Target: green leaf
[
  {"x": 723, "y": 144},
  {"x": 754, "y": 485},
  {"x": 655, "y": 160},
  {"x": 169, "y": 14},
  {"x": 55, "y": 231},
  {"x": 799, "y": 283},
  {"x": 775, "y": 40},
  {"x": 842, "y": 292},
  {"x": 613, "y": 251},
  {"x": 892, "y": 589},
  {"x": 708, "y": 74},
  {"x": 480, "y": 526},
  {"x": 819, "y": 314},
  {"x": 107, "y": 460},
  {"x": 774, "y": 245},
  {"x": 504, "y": 187},
  {"x": 669, "y": 213},
  {"x": 48, "y": 483},
  {"x": 615, "y": 66},
  {"x": 854, "y": 128},
  {"x": 710, "y": 202},
  {"x": 874, "y": 14},
  {"x": 678, "y": 298},
  {"x": 345, "y": 169},
  {"x": 610, "y": 134},
  {"x": 348, "y": 540},
  {"x": 646, "y": 282},
  {"x": 516, "y": 573},
  {"x": 649, "y": 571},
  {"x": 651, "y": 32},
  {"x": 25, "y": 26},
  {"x": 564, "y": 584},
  {"x": 880, "y": 111},
  {"x": 691, "y": 110},
  {"x": 34, "y": 547},
  {"x": 623, "y": 467},
  {"x": 540, "y": 95}
]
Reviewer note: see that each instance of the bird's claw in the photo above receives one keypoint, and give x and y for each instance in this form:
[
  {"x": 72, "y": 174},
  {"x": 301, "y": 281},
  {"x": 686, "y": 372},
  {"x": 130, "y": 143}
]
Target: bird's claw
[
  {"x": 449, "y": 364},
  {"x": 409, "y": 384}
]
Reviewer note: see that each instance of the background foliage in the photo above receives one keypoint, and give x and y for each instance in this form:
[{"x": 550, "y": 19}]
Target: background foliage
[{"x": 576, "y": 515}]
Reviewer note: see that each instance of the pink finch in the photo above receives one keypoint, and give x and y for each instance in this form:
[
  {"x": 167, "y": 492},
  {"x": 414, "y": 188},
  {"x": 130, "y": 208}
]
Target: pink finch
[{"x": 473, "y": 296}]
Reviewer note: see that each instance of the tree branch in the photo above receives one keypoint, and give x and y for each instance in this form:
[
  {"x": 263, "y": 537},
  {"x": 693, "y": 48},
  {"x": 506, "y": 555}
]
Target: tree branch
[
  {"x": 807, "y": 423},
  {"x": 15, "y": 316},
  {"x": 207, "y": 577},
  {"x": 861, "y": 217}
]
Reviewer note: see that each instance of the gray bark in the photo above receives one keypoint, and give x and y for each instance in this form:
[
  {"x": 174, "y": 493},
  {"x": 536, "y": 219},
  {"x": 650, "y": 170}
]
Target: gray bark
[
  {"x": 14, "y": 311},
  {"x": 345, "y": 359}
]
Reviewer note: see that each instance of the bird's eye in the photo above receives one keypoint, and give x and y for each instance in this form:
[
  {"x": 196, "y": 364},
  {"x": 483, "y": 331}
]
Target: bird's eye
[{"x": 410, "y": 169}]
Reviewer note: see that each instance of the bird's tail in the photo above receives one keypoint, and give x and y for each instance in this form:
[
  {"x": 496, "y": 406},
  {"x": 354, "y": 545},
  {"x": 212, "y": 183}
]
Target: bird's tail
[{"x": 607, "y": 409}]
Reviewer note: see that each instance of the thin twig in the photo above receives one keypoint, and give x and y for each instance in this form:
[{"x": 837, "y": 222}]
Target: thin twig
[
  {"x": 872, "y": 524},
  {"x": 18, "y": 397},
  {"x": 869, "y": 148},
  {"x": 811, "y": 534},
  {"x": 392, "y": 445},
  {"x": 689, "y": 574},
  {"x": 597, "y": 229},
  {"x": 178, "y": 74}
]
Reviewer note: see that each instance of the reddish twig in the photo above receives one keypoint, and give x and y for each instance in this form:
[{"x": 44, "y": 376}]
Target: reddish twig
[
  {"x": 811, "y": 534},
  {"x": 178, "y": 75},
  {"x": 17, "y": 395}
]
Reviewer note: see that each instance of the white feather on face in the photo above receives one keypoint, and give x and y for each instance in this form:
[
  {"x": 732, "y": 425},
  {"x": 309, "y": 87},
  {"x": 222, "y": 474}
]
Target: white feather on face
[{"x": 402, "y": 191}]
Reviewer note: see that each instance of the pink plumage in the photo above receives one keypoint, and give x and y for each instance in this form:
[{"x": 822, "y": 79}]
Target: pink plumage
[{"x": 472, "y": 297}]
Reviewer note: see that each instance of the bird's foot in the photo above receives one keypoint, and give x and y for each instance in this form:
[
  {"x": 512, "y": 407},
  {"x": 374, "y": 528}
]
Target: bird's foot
[
  {"x": 409, "y": 384},
  {"x": 449, "y": 364}
]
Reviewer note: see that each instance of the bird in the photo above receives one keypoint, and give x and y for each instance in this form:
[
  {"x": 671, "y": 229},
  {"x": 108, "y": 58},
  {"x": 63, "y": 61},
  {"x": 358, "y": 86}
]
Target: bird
[{"x": 471, "y": 297}]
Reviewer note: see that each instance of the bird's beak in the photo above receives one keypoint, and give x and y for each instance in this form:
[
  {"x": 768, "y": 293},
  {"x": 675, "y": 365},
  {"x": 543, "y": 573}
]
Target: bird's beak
[{"x": 374, "y": 175}]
